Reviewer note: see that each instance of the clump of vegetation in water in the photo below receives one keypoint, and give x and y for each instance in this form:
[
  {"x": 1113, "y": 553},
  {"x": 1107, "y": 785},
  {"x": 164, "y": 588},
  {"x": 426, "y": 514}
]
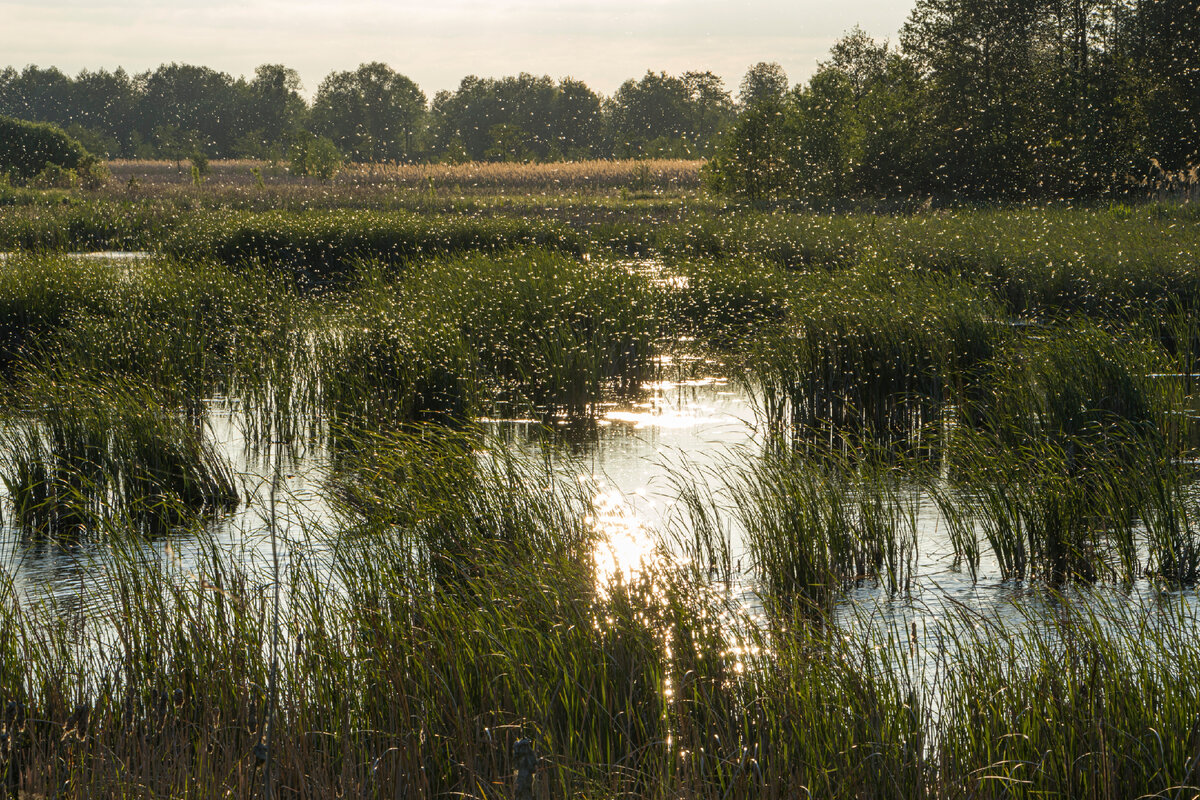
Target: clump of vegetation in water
[
  {"x": 322, "y": 246},
  {"x": 85, "y": 453}
]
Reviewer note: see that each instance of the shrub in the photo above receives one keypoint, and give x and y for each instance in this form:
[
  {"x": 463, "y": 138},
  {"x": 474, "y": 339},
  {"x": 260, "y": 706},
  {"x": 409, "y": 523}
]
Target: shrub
[
  {"x": 315, "y": 156},
  {"x": 28, "y": 148},
  {"x": 53, "y": 176}
]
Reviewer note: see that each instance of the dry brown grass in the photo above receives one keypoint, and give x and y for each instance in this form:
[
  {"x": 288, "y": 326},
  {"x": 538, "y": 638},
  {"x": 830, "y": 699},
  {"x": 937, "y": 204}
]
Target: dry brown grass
[
  {"x": 596, "y": 174},
  {"x": 160, "y": 172},
  {"x": 1166, "y": 186}
]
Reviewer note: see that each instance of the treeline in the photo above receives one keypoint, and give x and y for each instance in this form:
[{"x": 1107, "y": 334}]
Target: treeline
[
  {"x": 1013, "y": 99},
  {"x": 372, "y": 113},
  {"x": 1019, "y": 99}
]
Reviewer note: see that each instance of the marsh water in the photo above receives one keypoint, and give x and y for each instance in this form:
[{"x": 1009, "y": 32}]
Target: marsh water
[
  {"x": 684, "y": 432},
  {"x": 689, "y": 430}
]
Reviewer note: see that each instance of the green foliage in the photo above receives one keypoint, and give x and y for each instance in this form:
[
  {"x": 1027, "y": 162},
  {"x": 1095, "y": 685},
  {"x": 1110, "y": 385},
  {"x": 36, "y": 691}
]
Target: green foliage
[
  {"x": 815, "y": 526},
  {"x": 1066, "y": 451},
  {"x": 853, "y": 130},
  {"x": 872, "y": 351},
  {"x": 764, "y": 82},
  {"x": 200, "y": 167},
  {"x": 521, "y": 117},
  {"x": 550, "y": 332},
  {"x": 371, "y": 113},
  {"x": 52, "y": 176},
  {"x": 79, "y": 458},
  {"x": 448, "y": 603},
  {"x": 29, "y": 148},
  {"x": 459, "y": 606},
  {"x": 323, "y": 246},
  {"x": 314, "y": 156}
]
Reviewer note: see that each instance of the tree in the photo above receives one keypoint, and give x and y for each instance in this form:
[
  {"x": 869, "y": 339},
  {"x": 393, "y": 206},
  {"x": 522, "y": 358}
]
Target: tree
[
  {"x": 766, "y": 80},
  {"x": 517, "y": 117},
  {"x": 193, "y": 104},
  {"x": 464, "y": 118},
  {"x": 855, "y": 129},
  {"x": 1166, "y": 35},
  {"x": 859, "y": 58},
  {"x": 712, "y": 107},
  {"x": 656, "y": 109},
  {"x": 979, "y": 58},
  {"x": 105, "y": 109},
  {"x": 577, "y": 122},
  {"x": 754, "y": 160},
  {"x": 275, "y": 111},
  {"x": 371, "y": 113}
]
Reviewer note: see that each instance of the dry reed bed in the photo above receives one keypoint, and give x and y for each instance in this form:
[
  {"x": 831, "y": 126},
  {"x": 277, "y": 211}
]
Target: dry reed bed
[{"x": 643, "y": 174}]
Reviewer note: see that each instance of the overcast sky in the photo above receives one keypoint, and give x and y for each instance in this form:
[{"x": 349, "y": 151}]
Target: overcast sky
[{"x": 601, "y": 42}]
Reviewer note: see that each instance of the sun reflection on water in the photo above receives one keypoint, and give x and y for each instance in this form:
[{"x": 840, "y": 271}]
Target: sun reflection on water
[{"x": 625, "y": 546}]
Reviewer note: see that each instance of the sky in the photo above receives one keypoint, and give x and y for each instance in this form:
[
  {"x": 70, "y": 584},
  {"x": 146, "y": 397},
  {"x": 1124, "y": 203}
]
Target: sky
[{"x": 601, "y": 42}]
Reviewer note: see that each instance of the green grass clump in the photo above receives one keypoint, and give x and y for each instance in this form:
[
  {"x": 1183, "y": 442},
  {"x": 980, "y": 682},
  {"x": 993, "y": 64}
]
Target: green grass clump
[
  {"x": 184, "y": 329},
  {"x": 549, "y": 332},
  {"x": 323, "y": 246},
  {"x": 815, "y": 526},
  {"x": 1071, "y": 453},
  {"x": 725, "y": 303},
  {"x": 38, "y": 297},
  {"x": 376, "y": 364},
  {"x": 1087, "y": 699},
  {"x": 526, "y": 331},
  {"x": 1109, "y": 263},
  {"x": 397, "y": 676},
  {"x": 87, "y": 452},
  {"x": 871, "y": 351},
  {"x": 86, "y": 225}
]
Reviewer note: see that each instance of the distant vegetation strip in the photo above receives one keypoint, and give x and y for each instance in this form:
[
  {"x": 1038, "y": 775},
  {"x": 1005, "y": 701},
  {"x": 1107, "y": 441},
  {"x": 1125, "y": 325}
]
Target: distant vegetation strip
[
  {"x": 648, "y": 174},
  {"x": 978, "y": 101}
]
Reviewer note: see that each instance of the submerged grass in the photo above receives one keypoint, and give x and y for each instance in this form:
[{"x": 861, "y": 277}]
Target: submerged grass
[
  {"x": 814, "y": 526},
  {"x": 1071, "y": 460}
]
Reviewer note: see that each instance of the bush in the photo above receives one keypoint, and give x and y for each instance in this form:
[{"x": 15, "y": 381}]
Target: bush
[
  {"x": 315, "y": 156},
  {"x": 93, "y": 174},
  {"x": 55, "y": 177},
  {"x": 28, "y": 148}
]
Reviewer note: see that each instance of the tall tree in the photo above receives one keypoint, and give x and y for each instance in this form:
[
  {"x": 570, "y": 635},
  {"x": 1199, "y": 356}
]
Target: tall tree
[
  {"x": 275, "y": 111},
  {"x": 518, "y": 117},
  {"x": 578, "y": 125},
  {"x": 979, "y": 57},
  {"x": 1166, "y": 36},
  {"x": 765, "y": 81},
  {"x": 38, "y": 95},
  {"x": 712, "y": 108},
  {"x": 188, "y": 107},
  {"x": 372, "y": 113},
  {"x": 652, "y": 116}
]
